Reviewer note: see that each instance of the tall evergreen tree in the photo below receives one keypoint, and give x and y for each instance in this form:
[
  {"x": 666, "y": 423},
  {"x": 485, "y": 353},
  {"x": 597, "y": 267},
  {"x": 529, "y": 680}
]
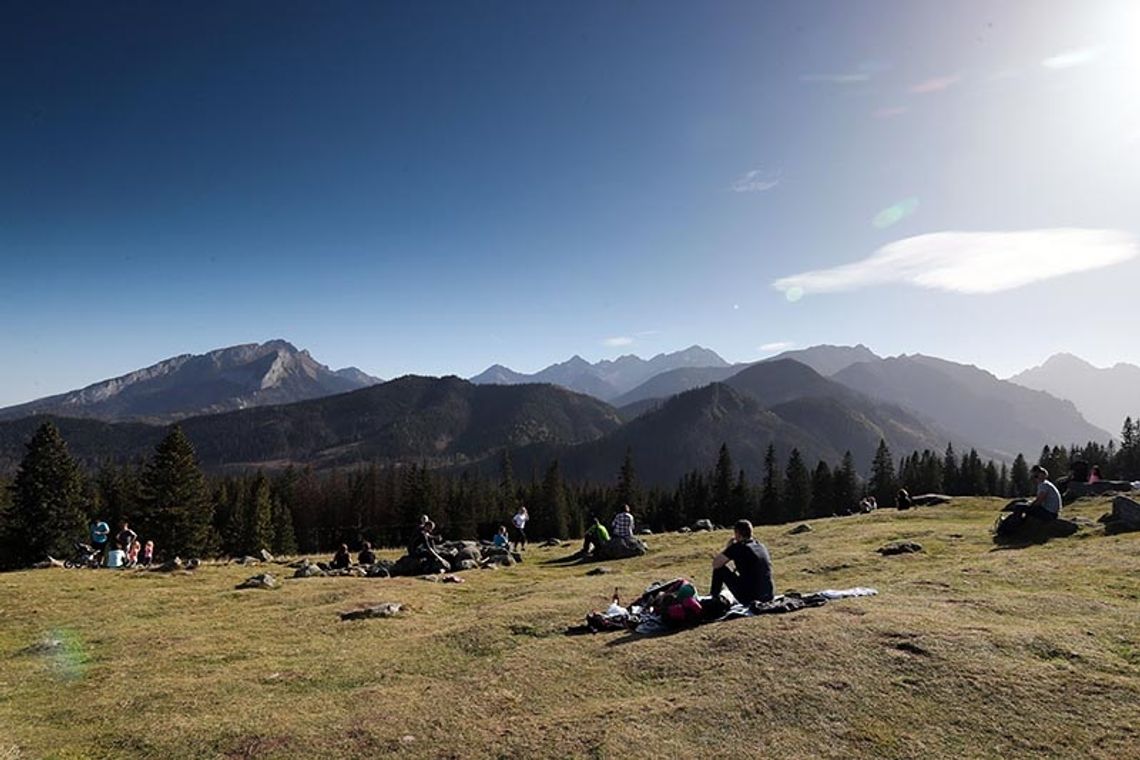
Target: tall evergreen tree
[
  {"x": 508, "y": 490},
  {"x": 722, "y": 487},
  {"x": 797, "y": 488},
  {"x": 176, "y": 506},
  {"x": 284, "y": 534},
  {"x": 883, "y": 484},
  {"x": 1019, "y": 477},
  {"x": 770, "y": 488},
  {"x": 555, "y": 512},
  {"x": 46, "y": 516},
  {"x": 822, "y": 491},
  {"x": 846, "y": 489},
  {"x": 950, "y": 472},
  {"x": 628, "y": 491}
]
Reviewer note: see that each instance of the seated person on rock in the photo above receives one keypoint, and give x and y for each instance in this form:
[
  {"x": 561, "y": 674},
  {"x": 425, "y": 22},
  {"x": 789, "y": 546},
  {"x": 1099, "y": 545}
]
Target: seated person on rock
[
  {"x": 366, "y": 556},
  {"x": 596, "y": 535},
  {"x": 501, "y": 539},
  {"x": 752, "y": 579},
  {"x": 622, "y": 525},
  {"x": 1046, "y": 506},
  {"x": 423, "y": 544},
  {"x": 342, "y": 559},
  {"x": 903, "y": 500}
]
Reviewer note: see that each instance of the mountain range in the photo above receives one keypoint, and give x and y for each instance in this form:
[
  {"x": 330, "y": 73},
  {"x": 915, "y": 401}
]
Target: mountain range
[
  {"x": 1106, "y": 396},
  {"x": 250, "y": 375},
  {"x": 268, "y": 405}
]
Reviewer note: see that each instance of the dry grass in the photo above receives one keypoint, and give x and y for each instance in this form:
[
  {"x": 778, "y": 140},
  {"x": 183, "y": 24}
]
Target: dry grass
[{"x": 968, "y": 652}]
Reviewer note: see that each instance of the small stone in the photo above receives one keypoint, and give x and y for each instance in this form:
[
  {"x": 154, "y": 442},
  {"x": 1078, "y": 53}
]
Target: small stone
[
  {"x": 603, "y": 570},
  {"x": 384, "y": 610},
  {"x": 899, "y": 547},
  {"x": 801, "y": 528},
  {"x": 265, "y": 555},
  {"x": 265, "y": 581}
]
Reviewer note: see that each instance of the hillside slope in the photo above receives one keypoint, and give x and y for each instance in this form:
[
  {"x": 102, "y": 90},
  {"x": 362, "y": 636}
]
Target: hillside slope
[
  {"x": 1105, "y": 396},
  {"x": 965, "y": 652}
]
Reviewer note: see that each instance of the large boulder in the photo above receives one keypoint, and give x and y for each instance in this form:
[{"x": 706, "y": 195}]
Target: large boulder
[
  {"x": 265, "y": 581},
  {"x": 702, "y": 524},
  {"x": 464, "y": 564},
  {"x": 378, "y": 570},
  {"x": 423, "y": 564},
  {"x": 620, "y": 547},
  {"x": 309, "y": 570},
  {"x": 1075, "y": 490}
]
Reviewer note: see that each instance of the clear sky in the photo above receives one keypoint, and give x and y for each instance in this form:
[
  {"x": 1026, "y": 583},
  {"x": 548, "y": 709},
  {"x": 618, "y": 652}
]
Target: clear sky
[{"x": 434, "y": 187}]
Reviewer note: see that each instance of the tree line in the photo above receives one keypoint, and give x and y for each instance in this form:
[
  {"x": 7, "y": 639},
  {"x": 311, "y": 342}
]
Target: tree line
[{"x": 167, "y": 498}]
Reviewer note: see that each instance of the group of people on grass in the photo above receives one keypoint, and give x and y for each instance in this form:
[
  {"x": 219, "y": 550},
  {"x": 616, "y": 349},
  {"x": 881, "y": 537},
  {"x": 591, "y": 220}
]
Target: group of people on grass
[
  {"x": 134, "y": 552},
  {"x": 596, "y": 534}
]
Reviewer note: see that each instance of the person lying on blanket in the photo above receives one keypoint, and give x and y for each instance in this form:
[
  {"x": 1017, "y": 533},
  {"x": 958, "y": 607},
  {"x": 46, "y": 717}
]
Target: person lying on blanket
[{"x": 752, "y": 579}]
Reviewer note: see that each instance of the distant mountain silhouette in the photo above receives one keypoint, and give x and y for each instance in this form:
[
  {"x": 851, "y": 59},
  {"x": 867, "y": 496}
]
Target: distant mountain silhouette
[
  {"x": 229, "y": 378},
  {"x": 436, "y": 421},
  {"x": 1104, "y": 396},
  {"x": 827, "y": 360},
  {"x": 606, "y": 379},
  {"x": 972, "y": 404}
]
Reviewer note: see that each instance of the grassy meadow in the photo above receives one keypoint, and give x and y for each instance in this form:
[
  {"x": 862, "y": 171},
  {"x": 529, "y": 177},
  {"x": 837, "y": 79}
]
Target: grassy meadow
[{"x": 968, "y": 651}]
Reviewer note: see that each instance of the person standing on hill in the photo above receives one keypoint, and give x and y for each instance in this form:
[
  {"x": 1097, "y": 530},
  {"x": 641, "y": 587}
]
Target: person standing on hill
[
  {"x": 520, "y": 520},
  {"x": 100, "y": 531},
  {"x": 125, "y": 537},
  {"x": 622, "y": 524},
  {"x": 752, "y": 579}
]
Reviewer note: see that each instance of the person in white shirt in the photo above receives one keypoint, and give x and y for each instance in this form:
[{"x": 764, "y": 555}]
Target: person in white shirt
[{"x": 520, "y": 519}]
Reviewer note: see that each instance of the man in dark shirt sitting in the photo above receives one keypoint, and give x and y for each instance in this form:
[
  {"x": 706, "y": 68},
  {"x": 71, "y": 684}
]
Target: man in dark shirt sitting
[{"x": 752, "y": 580}]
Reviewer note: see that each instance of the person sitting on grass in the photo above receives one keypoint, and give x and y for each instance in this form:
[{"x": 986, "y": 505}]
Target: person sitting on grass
[
  {"x": 596, "y": 535},
  {"x": 366, "y": 556},
  {"x": 133, "y": 553},
  {"x": 501, "y": 540},
  {"x": 752, "y": 579},
  {"x": 147, "y": 556},
  {"x": 342, "y": 559}
]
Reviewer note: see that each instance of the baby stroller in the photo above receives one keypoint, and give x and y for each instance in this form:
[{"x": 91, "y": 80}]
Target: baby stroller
[{"x": 85, "y": 556}]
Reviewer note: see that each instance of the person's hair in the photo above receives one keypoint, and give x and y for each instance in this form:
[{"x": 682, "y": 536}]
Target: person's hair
[
  {"x": 743, "y": 528},
  {"x": 1039, "y": 470},
  {"x": 344, "y": 547},
  {"x": 502, "y": 528},
  {"x": 367, "y": 545},
  {"x": 1096, "y": 469}
]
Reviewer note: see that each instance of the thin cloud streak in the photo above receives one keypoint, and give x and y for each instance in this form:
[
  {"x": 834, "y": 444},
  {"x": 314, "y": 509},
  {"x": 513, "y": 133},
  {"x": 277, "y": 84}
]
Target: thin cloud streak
[
  {"x": 938, "y": 84},
  {"x": 618, "y": 341},
  {"x": 1071, "y": 58},
  {"x": 779, "y": 345},
  {"x": 973, "y": 262},
  {"x": 756, "y": 181}
]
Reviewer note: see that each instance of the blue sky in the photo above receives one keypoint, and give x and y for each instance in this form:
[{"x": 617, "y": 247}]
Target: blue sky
[{"x": 435, "y": 187}]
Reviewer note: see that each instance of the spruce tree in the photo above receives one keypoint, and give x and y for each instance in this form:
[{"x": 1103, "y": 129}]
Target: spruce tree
[
  {"x": 822, "y": 491},
  {"x": 797, "y": 488},
  {"x": 555, "y": 510},
  {"x": 1019, "y": 477},
  {"x": 950, "y": 472},
  {"x": 508, "y": 491},
  {"x": 846, "y": 489},
  {"x": 177, "y": 512},
  {"x": 628, "y": 491},
  {"x": 284, "y": 534},
  {"x": 46, "y": 516},
  {"x": 722, "y": 487},
  {"x": 883, "y": 484},
  {"x": 770, "y": 488}
]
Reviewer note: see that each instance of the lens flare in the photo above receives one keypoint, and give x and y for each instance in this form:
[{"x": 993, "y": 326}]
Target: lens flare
[
  {"x": 64, "y": 654},
  {"x": 895, "y": 213},
  {"x": 794, "y": 293}
]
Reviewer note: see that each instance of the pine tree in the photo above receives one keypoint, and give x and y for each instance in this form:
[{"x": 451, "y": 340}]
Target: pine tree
[
  {"x": 741, "y": 499},
  {"x": 555, "y": 509},
  {"x": 722, "y": 488},
  {"x": 46, "y": 516},
  {"x": 822, "y": 491},
  {"x": 176, "y": 506},
  {"x": 846, "y": 489},
  {"x": 284, "y": 534},
  {"x": 883, "y": 484},
  {"x": 950, "y": 474},
  {"x": 770, "y": 488},
  {"x": 1019, "y": 477},
  {"x": 797, "y": 488},
  {"x": 627, "y": 488}
]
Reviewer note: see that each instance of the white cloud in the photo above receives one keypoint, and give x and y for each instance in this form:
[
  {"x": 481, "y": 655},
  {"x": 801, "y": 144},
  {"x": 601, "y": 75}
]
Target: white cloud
[
  {"x": 618, "y": 341},
  {"x": 849, "y": 78},
  {"x": 755, "y": 181},
  {"x": 779, "y": 345},
  {"x": 1071, "y": 58},
  {"x": 972, "y": 262},
  {"x": 938, "y": 84}
]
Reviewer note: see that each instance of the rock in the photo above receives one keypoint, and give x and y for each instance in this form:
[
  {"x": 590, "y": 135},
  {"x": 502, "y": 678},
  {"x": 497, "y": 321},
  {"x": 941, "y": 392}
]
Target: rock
[
  {"x": 309, "y": 571},
  {"x": 193, "y": 563},
  {"x": 645, "y": 532},
  {"x": 702, "y": 524},
  {"x": 377, "y": 571},
  {"x": 303, "y": 562},
  {"x": 265, "y": 555},
  {"x": 385, "y": 610},
  {"x": 685, "y": 529},
  {"x": 247, "y": 560},
  {"x": 900, "y": 547},
  {"x": 603, "y": 570},
  {"x": 619, "y": 547},
  {"x": 169, "y": 566},
  {"x": 1074, "y": 491},
  {"x": 465, "y": 564},
  {"x": 265, "y": 580},
  {"x": 1126, "y": 510},
  {"x": 930, "y": 499},
  {"x": 467, "y": 553},
  {"x": 801, "y": 528},
  {"x": 49, "y": 562}
]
